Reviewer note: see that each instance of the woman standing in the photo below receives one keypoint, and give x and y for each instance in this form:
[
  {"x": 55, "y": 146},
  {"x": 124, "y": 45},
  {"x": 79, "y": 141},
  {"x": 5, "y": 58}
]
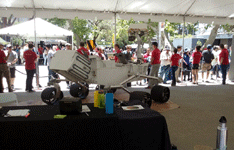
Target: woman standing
[
  {"x": 196, "y": 60},
  {"x": 174, "y": 65}
]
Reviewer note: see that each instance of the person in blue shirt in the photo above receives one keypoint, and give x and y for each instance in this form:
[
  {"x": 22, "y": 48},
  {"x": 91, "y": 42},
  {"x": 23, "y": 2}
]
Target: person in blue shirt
[{"x": 186, "y": 64}]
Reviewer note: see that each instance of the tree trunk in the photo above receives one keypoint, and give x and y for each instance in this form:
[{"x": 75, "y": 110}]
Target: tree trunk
[
  {"x": 77, "y": 40},
  {"x": 212, "y": 37},
  {"x": 166, "y": 36}
]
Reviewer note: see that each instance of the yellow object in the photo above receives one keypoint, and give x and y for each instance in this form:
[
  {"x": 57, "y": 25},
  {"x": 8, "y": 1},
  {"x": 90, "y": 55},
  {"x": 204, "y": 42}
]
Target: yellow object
[
  {"x": 90, "y": 43},
  {"x": 113, "y": 39},
  {"x": 96, "y": 99}
]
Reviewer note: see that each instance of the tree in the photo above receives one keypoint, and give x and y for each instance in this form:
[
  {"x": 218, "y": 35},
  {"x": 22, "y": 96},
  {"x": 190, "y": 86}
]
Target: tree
[
  {"x": 6, "y": 22},
  {"x": 212, "y": 36},
  {"x": 56, "y": 21},
  {"x": 122, "y": 32},
  {"x": 80, "y": 29},
  {"x": 98, "y": 26}
]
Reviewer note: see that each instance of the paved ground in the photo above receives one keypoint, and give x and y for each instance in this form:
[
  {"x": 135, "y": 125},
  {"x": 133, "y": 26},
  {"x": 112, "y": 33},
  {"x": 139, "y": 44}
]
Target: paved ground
[{"x": 194, "y": 123}]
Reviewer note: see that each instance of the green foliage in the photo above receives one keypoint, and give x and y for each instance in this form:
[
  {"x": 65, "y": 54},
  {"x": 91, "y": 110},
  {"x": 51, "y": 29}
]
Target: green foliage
[
  {"x": 228, "y": 28},
  {"x": 17, "y": 41},
  {"x": 199, "y": 43},
  {"x": 57, "y": 21},
  {"x": 81, "y": 28}
]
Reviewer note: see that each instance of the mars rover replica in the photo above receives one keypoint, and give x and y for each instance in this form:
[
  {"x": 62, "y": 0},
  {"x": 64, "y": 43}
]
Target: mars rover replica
[{"x": 106, "y": 73}]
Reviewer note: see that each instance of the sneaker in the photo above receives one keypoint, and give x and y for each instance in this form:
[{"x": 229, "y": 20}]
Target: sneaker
[
  {"x": 30, "y": 91},
  {"x": 148, "y": 87},
  {"x": 178, "y": 81},
  {"x": 207, "y": 82},
  {"x": 12, "y": 87}
]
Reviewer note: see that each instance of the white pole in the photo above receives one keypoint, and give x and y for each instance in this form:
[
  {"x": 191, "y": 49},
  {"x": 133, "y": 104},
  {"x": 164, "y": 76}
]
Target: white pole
[
  {"x": 115, "y": 27},
  {"x": 36, "y": 48},
  {"x": 159, "y": 36},
  {"x": 73, "y": 47},
  {"x": 182, "y": 69}
]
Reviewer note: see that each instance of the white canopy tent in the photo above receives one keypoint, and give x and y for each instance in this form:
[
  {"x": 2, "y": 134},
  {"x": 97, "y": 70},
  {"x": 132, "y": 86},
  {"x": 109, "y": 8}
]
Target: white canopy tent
[
  {"x": 44, "y": 30},
  {"x": 205, "y": 11}
]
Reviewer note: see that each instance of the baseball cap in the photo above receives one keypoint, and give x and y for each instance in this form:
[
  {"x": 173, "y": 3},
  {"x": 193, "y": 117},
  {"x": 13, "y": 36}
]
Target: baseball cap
[
  {"x": 67, "y": 44},
  {"x": 167, "y": 48},
  {"x": 209, "y": 47}
]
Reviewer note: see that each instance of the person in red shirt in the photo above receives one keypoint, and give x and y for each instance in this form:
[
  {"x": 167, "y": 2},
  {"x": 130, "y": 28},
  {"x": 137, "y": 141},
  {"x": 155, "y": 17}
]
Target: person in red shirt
[
  {"x": 4, "y": 72},
  {"x": 117, "y": 50},
  {"x": 174, "y": 65},
  {"x": 224, "y": 62},
  {"x": 82, "y": 50},
  {"x": 196, "y": 61},
  {"x": 155, "y": 63},
  {"x": 40, "y": 51},
  {"x": 30, "y": 60},
  {"x": 146, "y": 55}
]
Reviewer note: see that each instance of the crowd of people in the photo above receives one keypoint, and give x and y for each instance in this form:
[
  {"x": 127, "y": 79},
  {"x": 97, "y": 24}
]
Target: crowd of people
[{"x": 164, "y": 63}]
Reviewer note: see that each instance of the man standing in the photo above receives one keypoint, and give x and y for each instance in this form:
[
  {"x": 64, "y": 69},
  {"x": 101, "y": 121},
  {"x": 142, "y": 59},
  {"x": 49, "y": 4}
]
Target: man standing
[
  {"x": 177, "y": 73},
  {"x": 4, "y": 72},
  {"x": 224, "y": 61},
  {"x": 174, "y": 65},
  {"x": 30, "y": 60},
  {"x": 155, "y": 63},
  {"x": 82, "y": 50},
  {"x": 117, "y": 50},
  {"x": 165, "y": 63},
  {"x": 50, "y": 55},
  {"x": 11, "y": 61},
  {"x": 128, "y": 53},
  {"x": 207, "y": 59}
]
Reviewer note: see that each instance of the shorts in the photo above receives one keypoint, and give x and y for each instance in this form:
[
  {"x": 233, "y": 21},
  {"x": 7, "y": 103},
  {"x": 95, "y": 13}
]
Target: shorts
[
  {"x": 195, "y": 66},
  {"x": 206, "y": 67},
  {"x": 12, "y": 72}
]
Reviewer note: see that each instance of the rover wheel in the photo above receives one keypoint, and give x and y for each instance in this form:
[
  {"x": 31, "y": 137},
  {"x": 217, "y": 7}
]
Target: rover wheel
[
  {"x": 160, "y": 94},
  {"x": 77, "y": 91},
  {"x": 48, "y": 96},
  {"x": 145, "y": 97}
]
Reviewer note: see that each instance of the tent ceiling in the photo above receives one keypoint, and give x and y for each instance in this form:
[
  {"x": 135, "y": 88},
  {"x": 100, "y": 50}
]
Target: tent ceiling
[{"x": 157, "y": 10}]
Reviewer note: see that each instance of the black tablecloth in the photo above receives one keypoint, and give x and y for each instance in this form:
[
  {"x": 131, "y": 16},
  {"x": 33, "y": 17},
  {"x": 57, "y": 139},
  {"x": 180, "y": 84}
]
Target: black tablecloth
[
  {"x": 142, "y": 129},
  {"x": 41, "y": 131}
]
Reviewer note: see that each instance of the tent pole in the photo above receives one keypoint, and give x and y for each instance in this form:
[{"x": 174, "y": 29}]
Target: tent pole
[
  {"x": 182, "y": 69},
  {"x": 73, "y": 47},
  {"x": 159, "y": 36},
  {"x": 115, "y": 27},
  {"x": 36, "y": 46}
]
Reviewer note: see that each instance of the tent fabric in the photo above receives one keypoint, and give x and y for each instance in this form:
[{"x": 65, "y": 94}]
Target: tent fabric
[
  {"x": 205, "y": 11},
  {"x": 44, "y": 29}
]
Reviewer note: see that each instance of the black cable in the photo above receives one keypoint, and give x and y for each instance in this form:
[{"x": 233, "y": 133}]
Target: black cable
[{"x": 33, "y": 76}]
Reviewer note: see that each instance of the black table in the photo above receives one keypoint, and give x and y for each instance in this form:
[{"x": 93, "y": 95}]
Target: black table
[{"x": 142, "y": 129}]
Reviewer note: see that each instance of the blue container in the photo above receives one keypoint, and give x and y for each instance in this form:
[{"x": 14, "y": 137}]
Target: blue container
[{"x": 109, "y": 103}]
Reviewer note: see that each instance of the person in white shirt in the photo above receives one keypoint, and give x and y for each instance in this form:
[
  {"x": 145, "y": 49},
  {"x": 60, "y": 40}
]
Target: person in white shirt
[
  {"x": 215, "y": 63},
  {"x": 50, "y": 55},
  {"x": 165, "y": 64}
]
